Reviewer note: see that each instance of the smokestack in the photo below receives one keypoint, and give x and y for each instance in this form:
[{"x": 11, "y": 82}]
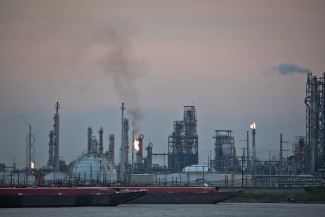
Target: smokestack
[
  {"x": 253, "y": 127},
  {"x": 101, "y": 131},
  {"x": 122, "y": 166},
  {"x": 89, "y": 139},
  {"x": 56, "y": 136}
]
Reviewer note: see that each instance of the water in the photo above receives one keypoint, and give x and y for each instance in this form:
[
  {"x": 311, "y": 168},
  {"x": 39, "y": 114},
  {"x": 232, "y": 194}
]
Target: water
[{"x": 198, "y": 210}]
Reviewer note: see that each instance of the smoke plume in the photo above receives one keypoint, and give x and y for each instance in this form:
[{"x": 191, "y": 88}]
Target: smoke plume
[
  {"x": 21, "y": 117},
  {"x": 121, "y": 64},
  {"x": 288, "y": 68}
]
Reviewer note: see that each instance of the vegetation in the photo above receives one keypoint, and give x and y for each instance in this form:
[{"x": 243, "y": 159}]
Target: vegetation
[
  {"x": 312, "y": 194},
  {"x": 316, "y": 194}
]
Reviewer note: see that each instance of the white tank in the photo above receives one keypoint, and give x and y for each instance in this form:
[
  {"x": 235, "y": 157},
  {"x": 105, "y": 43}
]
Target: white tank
[{"x": 93, "y": 167}]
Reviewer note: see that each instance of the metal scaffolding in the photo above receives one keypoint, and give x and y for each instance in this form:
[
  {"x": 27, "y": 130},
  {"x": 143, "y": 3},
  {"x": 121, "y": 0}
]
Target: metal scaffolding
[
  {"x": 315, "y": 123},
  {"x": 111, "y": 146},
  {"x": 299, "y": 155},
  {"x": 225, "y": 159},
  {"x": 30, "y": 150},
  {"x": 139, "y": 165},
  {"x": 183, "y": 142}
]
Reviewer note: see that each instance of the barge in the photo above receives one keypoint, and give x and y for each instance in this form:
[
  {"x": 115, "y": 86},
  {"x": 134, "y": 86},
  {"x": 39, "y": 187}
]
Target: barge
[
  {"x": 65, "y": 197},
  {"x": 182, "y": 195}
]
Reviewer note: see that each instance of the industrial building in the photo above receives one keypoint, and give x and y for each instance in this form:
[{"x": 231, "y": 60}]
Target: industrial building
[
  {"x": 225, "y": 159},
  {"x": 95, "y": 166},
  {"x": 183, "y": 142}
]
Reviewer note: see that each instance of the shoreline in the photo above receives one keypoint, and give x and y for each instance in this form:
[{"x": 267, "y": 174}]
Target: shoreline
[{"x": 307, "y": 195}]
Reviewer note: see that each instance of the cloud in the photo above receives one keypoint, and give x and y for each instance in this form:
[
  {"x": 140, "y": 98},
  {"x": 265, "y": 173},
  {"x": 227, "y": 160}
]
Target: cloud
[{"x": 288, "y": 68}]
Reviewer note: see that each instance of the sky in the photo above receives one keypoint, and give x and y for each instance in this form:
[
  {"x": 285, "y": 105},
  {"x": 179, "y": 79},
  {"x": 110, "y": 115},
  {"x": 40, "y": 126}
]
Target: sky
[{"x": 237, "y": 62}]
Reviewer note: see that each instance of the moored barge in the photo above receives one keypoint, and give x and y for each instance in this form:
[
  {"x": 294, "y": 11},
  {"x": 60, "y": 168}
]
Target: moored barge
[
  {"x": 65, "y": 197},
  {"x": 182, "y": 195}
]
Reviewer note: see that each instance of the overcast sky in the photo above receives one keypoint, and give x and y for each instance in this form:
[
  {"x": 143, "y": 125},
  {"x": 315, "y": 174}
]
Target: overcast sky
[{"x": 237, "y": 61}]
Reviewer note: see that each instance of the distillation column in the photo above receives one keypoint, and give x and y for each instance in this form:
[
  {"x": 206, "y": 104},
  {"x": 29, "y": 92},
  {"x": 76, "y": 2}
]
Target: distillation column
[
  {"x": 50, "y": 162},
  {"x": 126, "y": 141},
  {"x": 111, "y": 139},
  {"x": 101, "y": 147},
  {"x": 89, "y": 140},
  {"x": 56, "y": 126}
]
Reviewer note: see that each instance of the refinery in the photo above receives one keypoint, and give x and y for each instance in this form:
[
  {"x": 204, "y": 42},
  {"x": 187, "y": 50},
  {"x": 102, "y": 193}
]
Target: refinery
[{"x": 95, "y": 166}]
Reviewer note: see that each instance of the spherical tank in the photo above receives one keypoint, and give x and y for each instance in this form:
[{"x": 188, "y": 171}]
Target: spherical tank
[{"x": 94, "y": 166}]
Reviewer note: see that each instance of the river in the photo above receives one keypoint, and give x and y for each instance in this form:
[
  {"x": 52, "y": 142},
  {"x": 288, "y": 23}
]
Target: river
[{"x": 220, "y": 210}]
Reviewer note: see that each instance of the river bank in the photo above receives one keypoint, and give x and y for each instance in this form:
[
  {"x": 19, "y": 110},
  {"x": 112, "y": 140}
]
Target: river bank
[{"x": 314, "y": 195}]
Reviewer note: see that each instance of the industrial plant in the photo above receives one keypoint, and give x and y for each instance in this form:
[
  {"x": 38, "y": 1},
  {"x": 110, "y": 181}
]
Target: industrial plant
[{"x": 227, "y": 167}]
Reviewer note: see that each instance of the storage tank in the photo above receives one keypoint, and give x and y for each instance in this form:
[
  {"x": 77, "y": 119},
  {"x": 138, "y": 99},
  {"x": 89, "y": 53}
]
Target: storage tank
[{"x": 94, "y": 168}]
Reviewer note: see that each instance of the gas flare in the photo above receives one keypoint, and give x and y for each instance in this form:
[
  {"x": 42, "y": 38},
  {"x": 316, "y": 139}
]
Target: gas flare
[
  {"x": 253, "y": 125},
  {"x": 136, "y": 145}
]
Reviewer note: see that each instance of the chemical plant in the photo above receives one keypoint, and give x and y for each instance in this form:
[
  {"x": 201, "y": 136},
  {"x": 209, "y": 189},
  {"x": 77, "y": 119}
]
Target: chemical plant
[{"x": 94, "y": 166}]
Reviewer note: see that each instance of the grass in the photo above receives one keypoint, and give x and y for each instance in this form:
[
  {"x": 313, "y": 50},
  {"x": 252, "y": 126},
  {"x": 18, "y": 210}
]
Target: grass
[{"x": 311, "y": 194}]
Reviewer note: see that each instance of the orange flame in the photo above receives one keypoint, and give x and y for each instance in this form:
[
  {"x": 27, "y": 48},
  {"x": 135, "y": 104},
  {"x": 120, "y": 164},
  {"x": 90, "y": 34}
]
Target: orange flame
[{"x": 136, "y": 145}]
